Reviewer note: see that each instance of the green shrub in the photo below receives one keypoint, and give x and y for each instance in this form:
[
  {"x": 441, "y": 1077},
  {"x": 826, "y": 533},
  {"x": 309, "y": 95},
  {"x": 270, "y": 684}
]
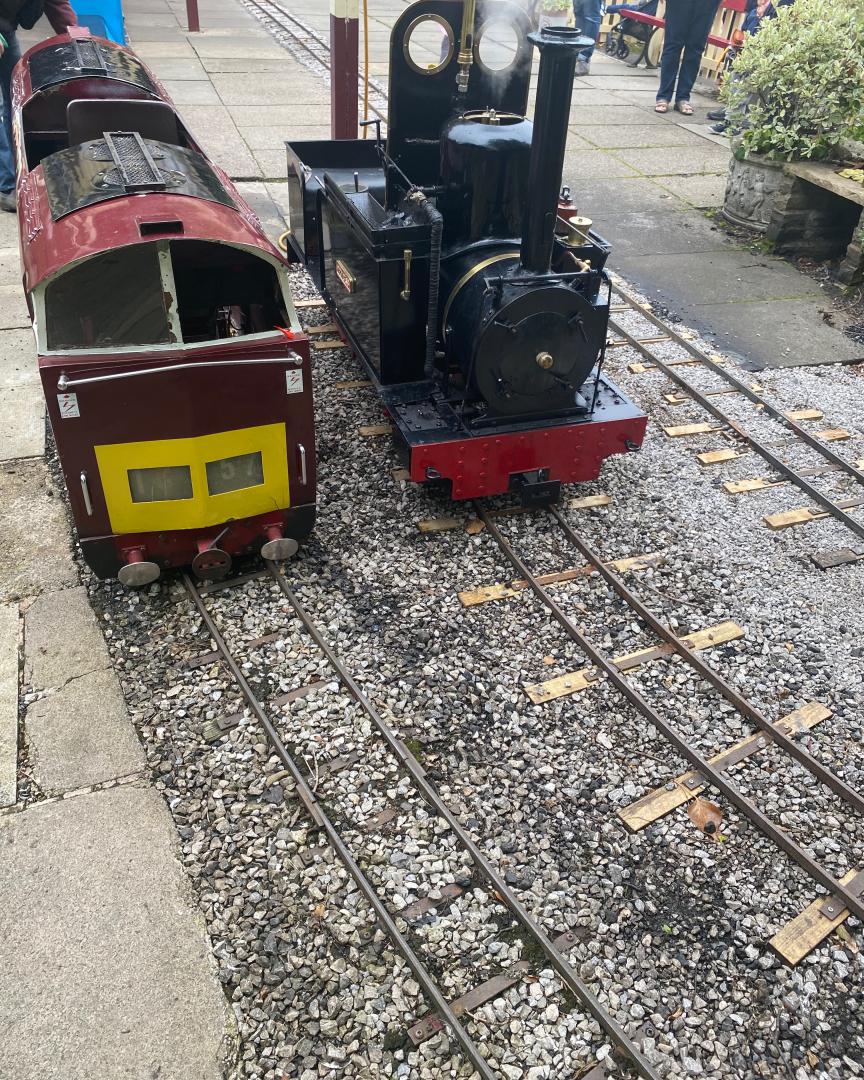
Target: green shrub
[{"x": 801, "y": 80}]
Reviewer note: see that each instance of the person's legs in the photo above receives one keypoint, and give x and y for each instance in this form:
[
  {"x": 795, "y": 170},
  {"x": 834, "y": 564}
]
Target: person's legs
[
  {"x": 588, "y": 15},
  {"x": 11, "y": 56},
  {"x": 702, "y": 16},
  {"x": 677, "y": 18}
]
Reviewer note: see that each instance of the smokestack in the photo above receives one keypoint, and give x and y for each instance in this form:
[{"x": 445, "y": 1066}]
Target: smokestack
[{"x": 559, "y": 47}]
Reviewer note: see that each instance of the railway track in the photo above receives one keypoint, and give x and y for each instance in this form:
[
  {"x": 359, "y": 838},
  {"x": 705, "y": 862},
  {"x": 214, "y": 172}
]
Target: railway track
[
  {"x": 724, "y": 382},
  {"x": 287, "y": 29},
  {"x": 843, "y": 896},
  {"x": 345, "y": 834}
]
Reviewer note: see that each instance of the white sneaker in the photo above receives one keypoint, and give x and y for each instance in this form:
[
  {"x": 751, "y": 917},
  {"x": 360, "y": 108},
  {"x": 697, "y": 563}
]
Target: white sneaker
[
  {"x": 582, "y": 67},
  {"x": 7, "y": 202}
]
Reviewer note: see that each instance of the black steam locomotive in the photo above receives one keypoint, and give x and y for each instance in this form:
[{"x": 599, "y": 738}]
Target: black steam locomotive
[{"x": 479, "y": 311}]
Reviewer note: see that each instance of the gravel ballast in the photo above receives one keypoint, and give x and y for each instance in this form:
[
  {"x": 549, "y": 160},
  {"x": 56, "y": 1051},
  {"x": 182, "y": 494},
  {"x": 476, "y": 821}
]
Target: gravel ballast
[{"x": 671, "y": 925}]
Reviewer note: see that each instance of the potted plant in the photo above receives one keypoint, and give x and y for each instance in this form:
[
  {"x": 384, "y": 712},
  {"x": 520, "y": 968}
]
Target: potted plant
[
  {"x": 796, "y": 91},
  {"x": 554, "y": 13}
]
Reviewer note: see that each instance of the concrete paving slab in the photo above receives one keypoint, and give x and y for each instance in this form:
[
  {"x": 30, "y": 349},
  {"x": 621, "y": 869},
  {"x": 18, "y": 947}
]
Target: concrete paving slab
[
  {"x": 290, "y": 116},
  {"x": 720, "y": 277},
  {"x": 13, "y": 308},
  {"x": 10, "y": 265},
  {"x": 8, "y": 231},
  {"x": 242, "y": 50},
  {"x": 22, "y": 422},
  {"x": 274, "y": 136},
  {"x": 136, "y": 20},
  {"x": 601, "y": 81},
  {"x": 81, "y": 734},
  {"x": 153, "y": 33},
  {"x": 239, "y": 89},
  {"x": 677, "y": 160},
  {"x": 62, "y": 639},
  {"x": 35, "y": 551},
  {"x": 587, "y": 98},
  {"x": 213, "y": 126},
  {"x": 17, "y": 359},
  {"x": 664, "y": 233},
  {"x": 779, "y": 333},
  {"x": 702, "y": 191},
  {"x": 704, "y": 131},
  {"x": 174, "y": 50},
  {"x": 604, "y": 199},
  {"x": 109, "y": 974},
  {"x": 189, "y": 92},
  {"x": 272, "y": 164},
  {"x": 580, "y": 163},
  {"x": 176, "y": 68},
  {"x": 645, "y": 98},
  {"x": 227, "y": 65},
  {"x": 633, "y": 136},
  {"x": 8, "y": 704}
]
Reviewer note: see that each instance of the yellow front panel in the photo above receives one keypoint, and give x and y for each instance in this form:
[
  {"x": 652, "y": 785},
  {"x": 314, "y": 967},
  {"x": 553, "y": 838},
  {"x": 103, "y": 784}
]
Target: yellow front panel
[{"x": 202, "y": 509}]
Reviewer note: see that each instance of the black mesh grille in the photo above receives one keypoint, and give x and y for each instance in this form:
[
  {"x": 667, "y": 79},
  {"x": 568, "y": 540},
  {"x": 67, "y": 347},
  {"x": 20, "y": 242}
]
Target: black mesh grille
[
  {"x": 89, "y": 57},
  {"x": 71, "y": 59},
  {"x": 136, "y": 169}
]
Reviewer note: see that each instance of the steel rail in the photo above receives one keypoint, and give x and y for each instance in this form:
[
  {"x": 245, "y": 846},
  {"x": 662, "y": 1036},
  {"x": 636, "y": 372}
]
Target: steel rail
[
  {"x": 764, "y": 404},
  {"x": 282, "y": 18},
  {"x": 318, "y": 815},
  {"x": 407, "y": 760},
  {"x": 854, "y": 798},
  {"x": 713, "y": 776},
  {"x": 786, "y": 470}
]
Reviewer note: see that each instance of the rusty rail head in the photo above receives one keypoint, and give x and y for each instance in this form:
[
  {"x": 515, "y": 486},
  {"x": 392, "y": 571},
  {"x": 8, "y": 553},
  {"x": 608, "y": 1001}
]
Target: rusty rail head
[
  {"x": 557, "y": 961},
  {"x": 831, "y": 780}
]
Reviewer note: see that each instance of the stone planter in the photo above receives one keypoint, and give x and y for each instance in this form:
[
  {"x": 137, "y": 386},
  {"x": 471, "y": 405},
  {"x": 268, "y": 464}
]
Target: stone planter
[{"x": 753, "y": 185}]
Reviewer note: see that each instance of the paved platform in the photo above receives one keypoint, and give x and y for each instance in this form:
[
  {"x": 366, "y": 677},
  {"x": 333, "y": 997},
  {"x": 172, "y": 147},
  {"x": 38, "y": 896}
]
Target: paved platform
[
  {"x": 106, "y": 967},
  {"x": 105, "y": 963}
]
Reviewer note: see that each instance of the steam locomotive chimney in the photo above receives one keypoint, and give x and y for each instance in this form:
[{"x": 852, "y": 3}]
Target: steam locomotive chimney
[{"x": 559, "y": 47}]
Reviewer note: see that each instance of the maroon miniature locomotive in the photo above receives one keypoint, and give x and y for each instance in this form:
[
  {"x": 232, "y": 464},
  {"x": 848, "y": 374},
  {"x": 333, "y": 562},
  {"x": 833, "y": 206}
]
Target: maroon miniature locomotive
[{"x": 176, "y": 375}]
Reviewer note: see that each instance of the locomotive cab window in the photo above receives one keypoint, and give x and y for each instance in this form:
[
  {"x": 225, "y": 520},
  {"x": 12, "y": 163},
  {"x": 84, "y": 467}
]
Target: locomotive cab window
[
  {"x": 113, "y": 299},
  {"x": 428, "y": 44},
  {"x": 497, "y": 46},
  {"x": 235, "y": 473},
  {"x": 170, "y": 483},
  {"x": 223, "y": 291}
]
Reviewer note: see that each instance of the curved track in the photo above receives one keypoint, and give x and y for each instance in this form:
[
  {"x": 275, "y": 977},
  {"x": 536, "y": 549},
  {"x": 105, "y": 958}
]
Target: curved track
[
  {"x": 728, "y": 382},
  {"x": 851, "y": 896}
]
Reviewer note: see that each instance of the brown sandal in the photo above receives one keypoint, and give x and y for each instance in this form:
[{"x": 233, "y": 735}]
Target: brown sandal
[
  {"x": 684, "y": 107},
  {"x": 662, "y": 107}
]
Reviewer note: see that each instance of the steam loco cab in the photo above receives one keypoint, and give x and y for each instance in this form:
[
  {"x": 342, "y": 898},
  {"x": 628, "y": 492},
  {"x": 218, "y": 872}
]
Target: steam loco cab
[
  {"x": 480, "y": 313},
  {"x": 175, "y": 372}
]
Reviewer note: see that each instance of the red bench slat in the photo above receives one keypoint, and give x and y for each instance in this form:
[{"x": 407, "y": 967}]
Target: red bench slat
[{"x": 652, "y": 20}]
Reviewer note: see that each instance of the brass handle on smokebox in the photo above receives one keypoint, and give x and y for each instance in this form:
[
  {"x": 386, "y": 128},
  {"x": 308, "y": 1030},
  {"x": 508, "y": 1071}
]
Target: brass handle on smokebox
[{"x": 406, "y": 257}]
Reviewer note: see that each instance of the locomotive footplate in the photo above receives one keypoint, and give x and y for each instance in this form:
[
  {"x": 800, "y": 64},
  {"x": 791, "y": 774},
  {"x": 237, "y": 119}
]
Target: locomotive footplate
[{"x": 493, "y": 457}]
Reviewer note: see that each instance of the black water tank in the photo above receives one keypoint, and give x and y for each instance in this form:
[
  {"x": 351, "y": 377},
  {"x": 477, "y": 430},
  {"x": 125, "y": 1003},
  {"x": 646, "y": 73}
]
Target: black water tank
[{"x": 485, "y": 157}]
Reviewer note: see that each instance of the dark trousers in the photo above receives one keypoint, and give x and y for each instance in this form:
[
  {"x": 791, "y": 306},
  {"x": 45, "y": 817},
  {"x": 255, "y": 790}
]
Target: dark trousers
[
  {"x": 8, "y": 60},
  {"x": 687, "y": 25}
]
